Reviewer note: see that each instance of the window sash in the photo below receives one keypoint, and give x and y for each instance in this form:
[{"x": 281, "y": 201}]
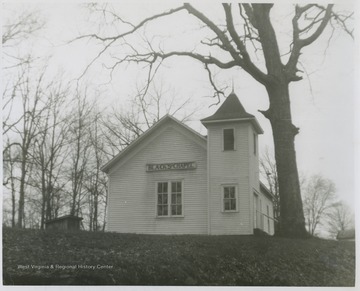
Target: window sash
[
  {"x": 162, "y": 198},
  {"x": 169, "y": 198},
  {"x": 229, "y": 199},
  {"x": 176, "y": 198}
]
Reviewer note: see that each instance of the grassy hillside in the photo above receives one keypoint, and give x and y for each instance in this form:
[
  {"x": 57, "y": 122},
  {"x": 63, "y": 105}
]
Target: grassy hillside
[{"x": 34, "y": 257}]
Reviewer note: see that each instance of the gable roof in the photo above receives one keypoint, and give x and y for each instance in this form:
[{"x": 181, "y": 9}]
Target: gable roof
[
  {"x": 167, "y": 118},
  {"x": 232, "y": 110}
]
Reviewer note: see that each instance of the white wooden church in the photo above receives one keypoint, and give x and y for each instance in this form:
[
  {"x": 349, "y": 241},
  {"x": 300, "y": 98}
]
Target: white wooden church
[{"x": 172, "y": 180}]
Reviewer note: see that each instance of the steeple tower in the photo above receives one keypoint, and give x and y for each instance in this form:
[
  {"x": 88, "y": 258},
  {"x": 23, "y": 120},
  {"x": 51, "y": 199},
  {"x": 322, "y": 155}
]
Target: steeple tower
[{"x": 233, "y": 167}]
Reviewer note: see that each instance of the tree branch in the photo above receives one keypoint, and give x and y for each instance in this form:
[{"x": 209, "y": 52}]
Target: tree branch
[
  {"x": 112, "y": 39},
  {"x": 204, "y": 59},
  {"x": 298, "y": 43},
  {"x": 248, "y": 65},
  {"x": 319, "y": 30},
  {"x": 134, "y": 27},
  {"x": 218, "y": 92}
]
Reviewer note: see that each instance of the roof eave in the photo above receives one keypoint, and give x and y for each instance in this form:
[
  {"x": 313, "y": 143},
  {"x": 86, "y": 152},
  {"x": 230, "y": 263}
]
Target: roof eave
[
  {"x": 266, "y": 191},
  {"x": 106, "y": 168},
  {"x": 253, "y": 120}
]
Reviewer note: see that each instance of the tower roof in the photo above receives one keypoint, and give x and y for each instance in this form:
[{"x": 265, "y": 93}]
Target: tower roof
[{"x": 232, "y": 110}]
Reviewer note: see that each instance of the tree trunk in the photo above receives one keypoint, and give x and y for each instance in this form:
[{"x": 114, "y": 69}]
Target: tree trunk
[
  {"x": 22, "y": 193},
  {"x": 42, "y": 219},
  {"x": 49, "y": 190},
  {"x": 43, "y": 191},
  {"x": 91, "y": 207},
  {"x": 95, "y": 223},
  {"x": 13, "y": 209},
  {"x": 105, "y": 207},
  {"x": 292, "y": 222},
  {"x": 13, "y": 191}
]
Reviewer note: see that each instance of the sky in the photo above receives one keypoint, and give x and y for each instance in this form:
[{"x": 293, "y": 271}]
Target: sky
[{"x": 323, "y": 104}]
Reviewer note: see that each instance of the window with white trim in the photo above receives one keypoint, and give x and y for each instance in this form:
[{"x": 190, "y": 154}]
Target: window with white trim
[
  {"x": 169, "y": 198},
  {"x": 229, "y": 196}
]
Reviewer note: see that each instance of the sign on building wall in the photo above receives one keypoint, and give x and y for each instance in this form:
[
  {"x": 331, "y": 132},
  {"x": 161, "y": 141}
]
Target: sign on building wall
[{"x": 170, "y": 166}]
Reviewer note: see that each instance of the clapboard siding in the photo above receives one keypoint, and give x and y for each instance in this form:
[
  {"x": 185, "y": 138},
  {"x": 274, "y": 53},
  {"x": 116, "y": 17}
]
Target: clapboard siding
[
  {"x": 253, "y": 160},
  {"x": 229, "y": 167},
  {"x": 267, "y": 202},
  {"x": 132, "y": 199},
  {"x": 253, "y": 171}
]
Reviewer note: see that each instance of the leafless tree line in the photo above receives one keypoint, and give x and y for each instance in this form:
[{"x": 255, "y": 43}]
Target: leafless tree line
[
  {"x": 47, "y": 150},
  {"x": 56, "y": 139},
  {"x": 325, "y": 214},
  {"x": 55, "y": 142}
]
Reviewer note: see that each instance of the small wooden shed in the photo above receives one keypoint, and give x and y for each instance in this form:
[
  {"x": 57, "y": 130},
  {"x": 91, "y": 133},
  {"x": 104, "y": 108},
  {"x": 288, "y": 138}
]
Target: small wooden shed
[
  {"x": 348, "y": 234},
  {"x": 67, "y": 222}
]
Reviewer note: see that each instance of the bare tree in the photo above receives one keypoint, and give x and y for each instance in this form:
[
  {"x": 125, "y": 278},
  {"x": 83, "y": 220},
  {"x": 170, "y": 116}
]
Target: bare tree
[
  {"x": 319, "y": 196},
  {"x": 79, "y": 143},
  {"x": 31, "y": 95},
  {"x": 340, "y": 217},
  {"x": 22, "y": 88},
  {"x": 96, "y": 180},
  {"x": 246, "y": 31},
  {"x": 49, "y": 151},
  {"x": 9, "y": 165},
  {"x": 121, "y": 127}
]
